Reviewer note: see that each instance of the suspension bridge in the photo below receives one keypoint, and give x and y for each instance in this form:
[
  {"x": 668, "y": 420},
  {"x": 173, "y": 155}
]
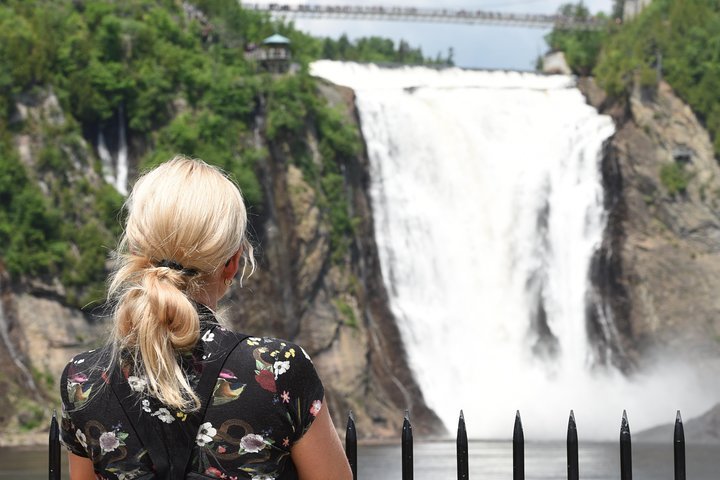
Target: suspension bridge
[{"x": 431, "y": 15}]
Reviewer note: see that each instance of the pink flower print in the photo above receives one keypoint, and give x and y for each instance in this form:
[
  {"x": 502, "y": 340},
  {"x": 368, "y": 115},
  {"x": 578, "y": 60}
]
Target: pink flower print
[
  {"x": 315, "y": 408},
  {"x": 266, "y": 380},
  {"x": 286, "y": 442},
  {"x": 227, "y": 374},
  {"x": 78, "y": 377},
  {"x": 285, "y": 397},
  {"x": 221, "y": 449},
  {"x": 214, "y": 472}
]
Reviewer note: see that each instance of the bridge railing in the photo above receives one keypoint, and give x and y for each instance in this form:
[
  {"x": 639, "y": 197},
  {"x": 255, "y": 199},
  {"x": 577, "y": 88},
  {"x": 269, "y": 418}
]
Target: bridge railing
[{"x": 469, "y": 16}]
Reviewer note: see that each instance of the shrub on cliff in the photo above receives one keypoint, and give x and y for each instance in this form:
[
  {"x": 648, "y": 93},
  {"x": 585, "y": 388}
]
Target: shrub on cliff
[
  {"x": 681, "y": 41},
  {"x": 176, "y": 73},
  {"x": 581, "y": 47}
]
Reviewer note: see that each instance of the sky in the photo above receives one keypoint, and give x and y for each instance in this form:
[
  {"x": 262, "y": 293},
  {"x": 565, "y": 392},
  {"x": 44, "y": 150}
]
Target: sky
[{"x": 474, "y": 46}]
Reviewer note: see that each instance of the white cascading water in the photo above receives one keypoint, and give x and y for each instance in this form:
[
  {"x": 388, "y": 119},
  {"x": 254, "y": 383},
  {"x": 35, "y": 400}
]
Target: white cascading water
[
  {"x": 108, "y": 167},
  {"x": 115, "y": 174},
  {"x": 488, "y": 202},
  {"x": 121, "y": 177},
  {"x": 10, "y": 347}
]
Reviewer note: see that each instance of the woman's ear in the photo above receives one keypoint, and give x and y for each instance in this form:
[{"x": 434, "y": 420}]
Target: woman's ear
[{"x": 232, "y": 265}]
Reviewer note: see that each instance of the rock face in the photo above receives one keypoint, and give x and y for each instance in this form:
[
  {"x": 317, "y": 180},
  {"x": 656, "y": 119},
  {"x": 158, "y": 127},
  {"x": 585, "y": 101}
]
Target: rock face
[
  {"x": 555, "y": 63},
  {"x": 659, "y": 266},
  {"x": 337, "y": 310}
]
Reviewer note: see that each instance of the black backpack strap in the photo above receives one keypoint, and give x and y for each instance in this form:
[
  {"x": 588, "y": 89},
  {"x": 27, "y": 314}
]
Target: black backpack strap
[
  {"x": 171, "y": 461},
  {"x": 206, "y": 387},
  {"x": 130, "y": 403}
]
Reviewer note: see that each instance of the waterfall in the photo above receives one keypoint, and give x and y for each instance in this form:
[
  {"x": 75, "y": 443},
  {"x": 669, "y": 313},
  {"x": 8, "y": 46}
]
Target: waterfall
[
  {"x": 115, "y": 173},
  {"x": 122, "y": 160},
  {"x": 106, "y": 159},
  {"x": 488, "y": 207},
  {"x": 10, "y": 346}
]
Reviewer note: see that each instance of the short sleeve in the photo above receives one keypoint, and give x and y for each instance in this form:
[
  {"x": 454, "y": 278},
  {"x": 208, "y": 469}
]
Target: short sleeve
[
  {"x": 299, "y": 386},
  {"x": 70, "y": 435}
]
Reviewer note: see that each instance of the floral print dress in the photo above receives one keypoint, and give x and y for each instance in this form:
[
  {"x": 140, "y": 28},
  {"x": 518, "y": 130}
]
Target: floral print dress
[{"x": 264, "y": 399}]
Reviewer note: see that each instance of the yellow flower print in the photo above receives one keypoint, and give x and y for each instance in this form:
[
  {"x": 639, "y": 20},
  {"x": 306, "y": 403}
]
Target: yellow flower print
[
  {"x": 274, "y": 354},
  {"x": 290, "y": 353}
]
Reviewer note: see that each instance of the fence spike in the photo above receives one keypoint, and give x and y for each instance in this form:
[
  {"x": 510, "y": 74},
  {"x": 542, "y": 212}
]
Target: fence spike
[
  {"x": 407, "y": 448},
  {"x": 679, "y": 448},
  {"x": 54, "y": 449},
  {"x": 351, "y": 444},
  {"x": 573, "y": 469},
  {"x": 462, "y": 450},
  {"x": 518, "y": 449},
  {"x": 625, "y": 449}
]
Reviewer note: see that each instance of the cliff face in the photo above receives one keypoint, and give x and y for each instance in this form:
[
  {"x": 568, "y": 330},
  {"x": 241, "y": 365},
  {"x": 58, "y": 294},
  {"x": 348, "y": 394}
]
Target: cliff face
[
  {"x": 659, "y": 266},
  {"x": 336, "y": 308}
]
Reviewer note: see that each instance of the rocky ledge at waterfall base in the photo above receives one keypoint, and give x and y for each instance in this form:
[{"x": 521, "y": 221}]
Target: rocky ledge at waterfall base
[{"x": 658, "y": 269}]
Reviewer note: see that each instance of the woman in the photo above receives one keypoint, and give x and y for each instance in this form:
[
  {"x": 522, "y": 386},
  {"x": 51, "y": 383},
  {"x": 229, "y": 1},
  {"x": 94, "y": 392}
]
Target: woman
[{"x": 175, "y": 395}]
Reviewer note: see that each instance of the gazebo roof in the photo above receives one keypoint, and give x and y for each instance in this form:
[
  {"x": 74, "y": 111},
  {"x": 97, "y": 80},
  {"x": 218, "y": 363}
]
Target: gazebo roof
[{"x": 276, "y": 39}]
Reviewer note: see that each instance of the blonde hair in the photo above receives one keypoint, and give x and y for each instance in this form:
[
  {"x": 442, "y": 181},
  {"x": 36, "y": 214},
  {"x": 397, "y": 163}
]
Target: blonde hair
[{"x": 185, "y": 220}]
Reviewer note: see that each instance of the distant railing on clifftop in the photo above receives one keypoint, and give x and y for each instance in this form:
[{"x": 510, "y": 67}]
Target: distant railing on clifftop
[
  {"x": 518, "y": 442},
  {"x": 433, "y": 15}
]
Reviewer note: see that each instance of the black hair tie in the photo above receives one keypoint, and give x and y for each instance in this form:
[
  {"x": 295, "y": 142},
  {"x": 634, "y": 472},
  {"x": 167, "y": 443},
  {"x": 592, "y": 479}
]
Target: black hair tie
[{"x": 176, "y": 266}]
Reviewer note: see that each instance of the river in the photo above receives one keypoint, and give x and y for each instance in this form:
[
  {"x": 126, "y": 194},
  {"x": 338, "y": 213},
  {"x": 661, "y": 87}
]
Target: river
[{"x": 489, "y": 460}]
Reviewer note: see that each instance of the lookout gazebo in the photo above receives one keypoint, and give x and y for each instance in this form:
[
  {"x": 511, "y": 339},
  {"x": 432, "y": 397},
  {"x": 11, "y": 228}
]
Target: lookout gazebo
[{"x": 274, "y": 55}]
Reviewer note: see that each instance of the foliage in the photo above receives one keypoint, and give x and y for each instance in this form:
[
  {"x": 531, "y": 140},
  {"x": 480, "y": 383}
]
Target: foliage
[
  {"x": 675, "y": 178},
  {"x": 581, "y": 47},
  {"x": 30, "y": 240},
  {"x": 293, "y": 105},
  {"x": 347, "y": 312},
  {"x": 182, "y": 84},
  {"x": 682, "y": 40},
  {"x": 378, "y": 50},
  {"x": 31, "y": 415}
]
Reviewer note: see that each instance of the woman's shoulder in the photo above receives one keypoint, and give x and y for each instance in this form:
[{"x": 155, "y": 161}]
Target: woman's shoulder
[
  {"x": 80, "y": 374},
  {"x": 85, "y": 364},
  {"x": 279, "y": 352},
  {"x": 274, "y": 344},
  {"x": 276, "y": 347}
]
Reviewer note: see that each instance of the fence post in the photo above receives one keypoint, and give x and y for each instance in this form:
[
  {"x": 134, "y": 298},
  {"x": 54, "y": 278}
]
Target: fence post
[
  {"x": 625, "y": 449},
  {"x": 572, "y": 449},
  {"x": 679, "y": 448},
  {"x": 351, "y": 444},
  {"x": 54, "y": 449},
  {"x": 518, "y": 449},
  {"x": 407, "y": 449},
  {"x": 462, "y": 449}
]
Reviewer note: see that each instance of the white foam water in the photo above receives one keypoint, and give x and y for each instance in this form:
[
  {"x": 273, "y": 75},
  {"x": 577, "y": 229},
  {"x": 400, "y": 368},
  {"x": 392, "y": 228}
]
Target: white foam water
[
  {"x": 115, "y": 172},
  {"x": 487, "y": 201}
]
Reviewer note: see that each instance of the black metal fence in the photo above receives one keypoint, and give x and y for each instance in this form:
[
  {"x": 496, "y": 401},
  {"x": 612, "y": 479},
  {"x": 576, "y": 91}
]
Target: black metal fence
[{"x": 518, "y": 442}]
